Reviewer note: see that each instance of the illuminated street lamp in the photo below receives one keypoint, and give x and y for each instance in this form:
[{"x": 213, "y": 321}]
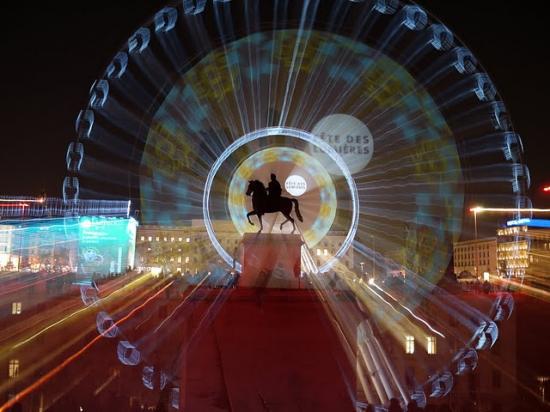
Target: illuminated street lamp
[
  {"x": 373, "y": 257},
  {"x": 476, "y": 210}
]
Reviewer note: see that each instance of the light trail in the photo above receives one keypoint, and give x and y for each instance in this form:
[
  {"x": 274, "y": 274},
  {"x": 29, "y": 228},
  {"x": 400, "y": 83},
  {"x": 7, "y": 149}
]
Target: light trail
[
  {"x": 527, "y": 289},
  {"x": 181, "y": 303},
  {"x": 480, "y": 209},
  {"x": 37, "y": 334},
  {"x": 45, "y": 378},
  {"x": 409, "y": 310},
  {"x": 40, "y": 200}
]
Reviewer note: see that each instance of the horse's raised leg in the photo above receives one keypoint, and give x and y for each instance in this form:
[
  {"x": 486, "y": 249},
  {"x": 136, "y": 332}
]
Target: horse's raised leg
[{"x": 251, "y": 214}]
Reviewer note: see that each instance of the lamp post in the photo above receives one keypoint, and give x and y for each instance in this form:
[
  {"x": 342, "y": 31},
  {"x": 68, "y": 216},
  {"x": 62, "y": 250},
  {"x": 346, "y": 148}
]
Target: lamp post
[
  {"x": 475, "y": 224},
  {"x": 476, "y": 210},
  {"x": 373, "y": 257}
]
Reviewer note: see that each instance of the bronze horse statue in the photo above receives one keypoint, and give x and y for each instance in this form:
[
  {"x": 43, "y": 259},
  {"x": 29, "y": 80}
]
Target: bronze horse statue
[{"x": 262, "y": 203}]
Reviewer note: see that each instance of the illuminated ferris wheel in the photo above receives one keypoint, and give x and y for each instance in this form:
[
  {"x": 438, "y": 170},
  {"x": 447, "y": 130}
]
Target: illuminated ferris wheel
[{"x": 389, "y": 122}]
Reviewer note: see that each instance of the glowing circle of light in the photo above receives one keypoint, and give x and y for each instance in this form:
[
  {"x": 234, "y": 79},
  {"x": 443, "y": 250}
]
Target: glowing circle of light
[
  {"x": 295, "y": 185},
  {"x": 298, "y": 134},
  {"x": 349, "y": 136},
  {"x": 318, "y": 222}
]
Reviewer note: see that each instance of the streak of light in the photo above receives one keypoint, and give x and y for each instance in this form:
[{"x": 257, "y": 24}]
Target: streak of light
[
  {"x": 480, "y": 209},
  {"x": 45, "y": 378},
  {"x": 14, "y": 205},
  {"x": 181, "y": 303},
  {"x": 42, "y": 362},
  {"x": 408, "y": 310},
  {"x": 39, "y": 200},
  {"x": 37, "y": 334},
  {"x": 527, "y": 289},
  {"x": 111, "y": 378}
]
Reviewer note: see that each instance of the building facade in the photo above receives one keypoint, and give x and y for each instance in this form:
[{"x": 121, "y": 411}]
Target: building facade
[
  {"x": 51, "y": 235},
  {"x": 187, "y": 248},
  {"x": 524, "y": 250},
  {"x": 473, "y": 259}
]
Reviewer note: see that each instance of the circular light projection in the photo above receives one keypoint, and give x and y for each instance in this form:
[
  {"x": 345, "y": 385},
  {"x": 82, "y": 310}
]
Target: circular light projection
[
  {"x": 293, "y": 133},
  {"x": 411, "y": 189},
  {"x": 318, "y": 200},
  {"x": 205, "y": 86},
  {"x": 349, "y": 136},
  {"x": 296, "y": 185}
]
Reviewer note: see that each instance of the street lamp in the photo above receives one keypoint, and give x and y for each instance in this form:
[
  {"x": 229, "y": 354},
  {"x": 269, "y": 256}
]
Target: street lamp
[
  {"x": 362, "y": 268},
  {"x": 373, "y": 257},
  {"x": 476, "y": 210}
]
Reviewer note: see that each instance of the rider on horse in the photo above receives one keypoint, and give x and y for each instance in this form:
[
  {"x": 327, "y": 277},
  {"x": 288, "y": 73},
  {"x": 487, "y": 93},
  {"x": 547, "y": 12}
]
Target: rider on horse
[
  {"x": 263, "y": 203},
  {"x": 274, "y": 190}
]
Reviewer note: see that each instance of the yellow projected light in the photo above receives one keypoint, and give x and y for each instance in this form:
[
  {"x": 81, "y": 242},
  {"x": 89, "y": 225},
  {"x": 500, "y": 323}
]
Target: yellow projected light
[{"x": 317, "y": 199}]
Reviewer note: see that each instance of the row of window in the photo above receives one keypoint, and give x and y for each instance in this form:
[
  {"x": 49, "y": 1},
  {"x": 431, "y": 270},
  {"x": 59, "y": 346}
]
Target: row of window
[
  {"x": 172, "y": 239},
  {"x": 485, "y": 246},
  {"x": 466, "y": 263},
  {"x": 431, "y": 346},
  {"x": 512, "y": 231},
  {"x": 471, "y": 255}
]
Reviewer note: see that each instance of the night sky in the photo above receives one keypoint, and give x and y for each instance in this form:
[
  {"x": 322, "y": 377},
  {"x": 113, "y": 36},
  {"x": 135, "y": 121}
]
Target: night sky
[{"x": 51, "y": 54}]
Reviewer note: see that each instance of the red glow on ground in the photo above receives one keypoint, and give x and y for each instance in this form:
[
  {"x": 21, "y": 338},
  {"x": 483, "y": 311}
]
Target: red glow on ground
[{"x": 45, "y": 378}]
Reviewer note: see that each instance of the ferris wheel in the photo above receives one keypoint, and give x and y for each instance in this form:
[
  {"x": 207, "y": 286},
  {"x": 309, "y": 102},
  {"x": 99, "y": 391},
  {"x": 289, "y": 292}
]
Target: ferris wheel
[{"x": 389, "y": 121}]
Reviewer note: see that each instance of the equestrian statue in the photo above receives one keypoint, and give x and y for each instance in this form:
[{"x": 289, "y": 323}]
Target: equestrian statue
[{"x": 270, "y": 201}]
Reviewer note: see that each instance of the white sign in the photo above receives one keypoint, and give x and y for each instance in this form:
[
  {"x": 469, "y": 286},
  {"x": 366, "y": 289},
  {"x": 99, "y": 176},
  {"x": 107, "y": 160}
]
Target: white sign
[
  {"x": 349, "y": 137},
  {"x": 295, "y": 185}
]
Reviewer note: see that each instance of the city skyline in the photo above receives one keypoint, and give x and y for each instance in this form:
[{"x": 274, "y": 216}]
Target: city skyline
[{"x": 48, "y": 73}]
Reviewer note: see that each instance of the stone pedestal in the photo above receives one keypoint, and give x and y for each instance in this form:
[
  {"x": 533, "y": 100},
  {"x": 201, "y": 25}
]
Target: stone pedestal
[{"x": 271, "y": 260}]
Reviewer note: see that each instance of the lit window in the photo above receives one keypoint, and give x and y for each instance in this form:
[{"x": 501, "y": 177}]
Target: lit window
[
  {"x": 432, "y": 349},
  {"x": 179, "y": 259},
  {"x": 16, "y": 308},
  {"x": 166, "y": 239},
  {"x": 325, "y": 252},
  {"x": 158, "y": 239},
  {"x": 143, "y": 238},
  {"x": 179, "y": 239},
  {"x": 172, "y": 239},
  {"x": 13, "y": 370},
  {"x": 150, "y": 238},
  {"x": 318, "y": 252},
  {"x": 187, "y": 259},
  {"x": 188, "y": 240},
  {"x": 409, "y": 344}
]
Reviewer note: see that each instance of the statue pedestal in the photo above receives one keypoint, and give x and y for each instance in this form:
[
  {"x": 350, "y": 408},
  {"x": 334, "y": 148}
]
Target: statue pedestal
[{"x": 271, "y": 260}]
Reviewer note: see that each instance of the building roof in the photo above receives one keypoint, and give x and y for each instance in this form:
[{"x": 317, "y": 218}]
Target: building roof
[{"x": 27, "y": 207}]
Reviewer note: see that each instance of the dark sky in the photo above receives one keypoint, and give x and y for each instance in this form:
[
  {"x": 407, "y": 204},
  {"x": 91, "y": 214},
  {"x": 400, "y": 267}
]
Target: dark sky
[{"x": 52, "y": 53}]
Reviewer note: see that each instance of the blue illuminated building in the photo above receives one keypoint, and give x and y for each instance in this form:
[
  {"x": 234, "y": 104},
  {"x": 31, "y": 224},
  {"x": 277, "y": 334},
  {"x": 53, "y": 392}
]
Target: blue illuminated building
[
  {"x": 86, "y": 237},
  {"x": 523, "y": 249}
]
